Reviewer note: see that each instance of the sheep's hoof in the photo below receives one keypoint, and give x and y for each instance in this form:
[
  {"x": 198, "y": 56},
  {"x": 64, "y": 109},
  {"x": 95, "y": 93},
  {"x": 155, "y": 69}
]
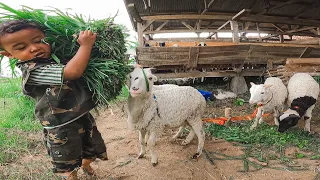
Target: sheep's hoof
[
  {"x": 155, "y": 164},
  {"x": 141, "y": 156},
  {"x": 196, "y": 155},
  {"x": 184, "y": 143}
]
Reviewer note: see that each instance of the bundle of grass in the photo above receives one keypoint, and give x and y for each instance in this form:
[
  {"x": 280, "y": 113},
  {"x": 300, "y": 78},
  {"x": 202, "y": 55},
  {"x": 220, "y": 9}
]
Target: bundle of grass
[{"x": 107, "y": 68}]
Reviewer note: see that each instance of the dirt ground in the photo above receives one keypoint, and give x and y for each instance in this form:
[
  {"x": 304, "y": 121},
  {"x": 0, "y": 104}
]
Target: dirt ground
[{"x": 174, "y": 159}]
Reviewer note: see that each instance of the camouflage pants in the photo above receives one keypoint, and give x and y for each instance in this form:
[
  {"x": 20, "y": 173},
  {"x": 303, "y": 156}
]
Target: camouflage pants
[{"x": 69, "y": 144}]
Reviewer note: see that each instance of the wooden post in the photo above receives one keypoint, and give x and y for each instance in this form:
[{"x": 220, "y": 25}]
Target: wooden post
[
  {"x": 140, "y": 35},
  {"x": 281, "y": 38},
  {"x": 235, "y": 31},
  {"x": 318, "y": 32},
  {"x": 260, "y": 39},
  {"x": 216, "y": 36}
]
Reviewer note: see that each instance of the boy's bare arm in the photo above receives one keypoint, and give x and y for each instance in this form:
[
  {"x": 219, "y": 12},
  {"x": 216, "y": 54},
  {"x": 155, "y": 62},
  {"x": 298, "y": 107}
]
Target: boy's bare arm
[{"x": 77, "y": 65}]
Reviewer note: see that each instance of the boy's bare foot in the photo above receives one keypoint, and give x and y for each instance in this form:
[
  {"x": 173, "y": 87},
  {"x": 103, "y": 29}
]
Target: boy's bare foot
[{"x": 86, "y": 166}]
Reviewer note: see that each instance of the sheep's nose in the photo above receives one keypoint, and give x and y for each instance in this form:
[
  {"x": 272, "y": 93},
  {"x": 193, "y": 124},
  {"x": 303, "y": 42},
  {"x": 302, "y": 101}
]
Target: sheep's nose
[
  {"x": 135, "y": 89},
  {"x": 250, "y": 102}
]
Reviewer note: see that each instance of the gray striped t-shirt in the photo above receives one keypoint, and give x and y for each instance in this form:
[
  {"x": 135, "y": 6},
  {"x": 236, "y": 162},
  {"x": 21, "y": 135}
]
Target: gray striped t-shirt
[{"x": 51, "y": 74}]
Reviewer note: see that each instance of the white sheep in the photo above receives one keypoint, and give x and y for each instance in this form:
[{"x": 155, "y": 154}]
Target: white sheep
[
  {"x": 303, "y": 93},
  {"x": 270, "y": 97},
  {"x": 151, "y": 110}
]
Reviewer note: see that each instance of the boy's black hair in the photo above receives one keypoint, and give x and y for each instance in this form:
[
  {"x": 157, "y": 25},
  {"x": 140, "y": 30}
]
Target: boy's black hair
[{"x": 12, "y": 26}]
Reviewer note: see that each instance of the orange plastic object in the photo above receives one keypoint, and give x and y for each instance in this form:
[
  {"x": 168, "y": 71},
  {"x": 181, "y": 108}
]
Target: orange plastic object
[{"x": 222, "y": 120}]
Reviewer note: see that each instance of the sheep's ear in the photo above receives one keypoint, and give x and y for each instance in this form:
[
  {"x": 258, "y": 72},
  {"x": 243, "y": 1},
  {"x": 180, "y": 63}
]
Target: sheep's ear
[
  {"x": 154, "y": 78},
  {"x": 267, "y": 85},
  {"x": 252, "y": 84}
]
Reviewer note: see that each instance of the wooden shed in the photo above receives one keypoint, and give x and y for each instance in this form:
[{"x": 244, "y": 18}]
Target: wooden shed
[{"x": 282, "y": 29}]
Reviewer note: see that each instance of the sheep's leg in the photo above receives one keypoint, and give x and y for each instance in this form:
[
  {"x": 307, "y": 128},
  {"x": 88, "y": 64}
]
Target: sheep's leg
[
  {"x": 256, "y": 119},
  {"x": 261, "y": 118},
  {"x": 276, "y": 116},
  {"x": 151, "y": 144},
  {"x": 307, "y": 118},
  {"x": 178, "y": 133},
  {"x": 142, "y": 135},
  {"x": 189, "y": 137},
  {"x": 198, "y": 130}
]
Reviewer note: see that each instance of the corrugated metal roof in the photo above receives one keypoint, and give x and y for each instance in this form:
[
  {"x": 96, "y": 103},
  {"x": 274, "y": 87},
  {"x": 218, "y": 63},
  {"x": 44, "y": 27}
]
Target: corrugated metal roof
[
  {"x": 311, "y": 8},
  {"x": 302, "y": 9}
]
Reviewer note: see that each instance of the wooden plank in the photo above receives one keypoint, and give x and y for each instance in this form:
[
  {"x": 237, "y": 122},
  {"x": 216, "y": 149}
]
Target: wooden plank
[
  {"x": 240, "y": 14},
  {"x": 193, "y": 57},
  {"x": 208, "y": 74},
  {"x": 222, "y": 26},
  {"x": 134, "y": 12},
  {"x": 303, "y": 68},
  {"x": 187, "y": 25},
  {"x": 162, "y": 25},
  {"x": 146, "y": 25},
  {"x": 303, "y": 61},
  {"x": 228, "y": 16},
  {"x": 306, "y": 52}
]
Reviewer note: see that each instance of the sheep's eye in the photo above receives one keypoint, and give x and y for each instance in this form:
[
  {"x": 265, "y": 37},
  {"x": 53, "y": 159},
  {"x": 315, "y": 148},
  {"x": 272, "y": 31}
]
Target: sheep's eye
[
  {"x": 150, "y": 78},
  {"x": 262, "y": 92},
  {"x": 130, "y": 77},
  {"x": 136, "y": 78}
]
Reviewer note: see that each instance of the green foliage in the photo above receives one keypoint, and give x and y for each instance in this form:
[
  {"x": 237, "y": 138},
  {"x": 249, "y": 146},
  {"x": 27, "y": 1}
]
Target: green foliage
[
  {"x": 239, "y": 101},
  {"x": 266, "y": 136},
  {"x": 16, "y": 118},
  {"x": 107, "y": 70}
]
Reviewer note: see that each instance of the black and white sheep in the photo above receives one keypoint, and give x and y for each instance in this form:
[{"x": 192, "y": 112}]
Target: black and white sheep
[
  {"x": 151, "y": 110},
  {"x": 270, "y": 97},
  {"x": 303, "y": 93}
]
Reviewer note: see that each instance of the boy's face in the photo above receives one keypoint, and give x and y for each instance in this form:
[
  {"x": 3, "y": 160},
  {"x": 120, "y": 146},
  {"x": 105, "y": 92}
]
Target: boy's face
[{"x": 25, "y": 44}]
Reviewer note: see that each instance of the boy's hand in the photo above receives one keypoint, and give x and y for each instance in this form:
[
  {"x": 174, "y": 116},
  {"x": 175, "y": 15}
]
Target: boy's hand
[{"x": 87, "y": 38}]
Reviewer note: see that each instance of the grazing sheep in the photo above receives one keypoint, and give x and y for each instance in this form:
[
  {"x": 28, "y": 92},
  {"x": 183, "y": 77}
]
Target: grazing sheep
[
  {"x": 270, "y": 97},
  {"x": 303, "y": 93},
  {"x": 151, "y": 110}
]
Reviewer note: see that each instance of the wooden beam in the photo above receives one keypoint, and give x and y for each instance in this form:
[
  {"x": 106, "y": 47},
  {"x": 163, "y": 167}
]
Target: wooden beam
[
  {"x": 303, "y": 61},
  {"x": 207, "y": 7},
  {"x": 134, "y": 12},
  {"x": 196, "y": 74},
  {"x": 306, "y": 52},
  {"x": 162, "y": 25},
  {"x": 277, "y": 27},
  {"x": 301, "y": 29},
  {"x": 228, "y": 16},
  {"x": 240, "y": 14},
  {"x": 222, "y": 26},
  {"x": 146, "y": 25},
  {"x": 209, "y": 25},
  {"x": 187, "y": 25},
  {"x": 241, "y": 31}
]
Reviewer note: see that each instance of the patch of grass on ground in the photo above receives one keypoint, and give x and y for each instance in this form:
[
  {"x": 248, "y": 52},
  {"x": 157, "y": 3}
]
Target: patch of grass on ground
[
  {"x": 16, "y": 115},
  {"x": 266, "y": 143}
]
